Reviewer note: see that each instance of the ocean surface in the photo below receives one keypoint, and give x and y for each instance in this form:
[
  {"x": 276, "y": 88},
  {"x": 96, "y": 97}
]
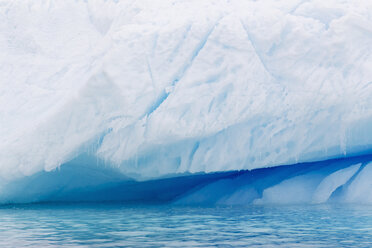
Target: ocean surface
[{"x": 118, "y": 225}]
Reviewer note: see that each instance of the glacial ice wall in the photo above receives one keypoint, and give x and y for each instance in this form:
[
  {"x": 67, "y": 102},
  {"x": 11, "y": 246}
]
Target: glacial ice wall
[{"x": 154, "y": 88}]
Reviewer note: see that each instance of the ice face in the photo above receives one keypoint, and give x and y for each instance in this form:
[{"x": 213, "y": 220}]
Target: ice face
[
  {"x": 87, "y": 179},
  {"x": 164, "y": 87},
  {"x": 329, "y": 184},
  {"x": 360, "y": 189}
]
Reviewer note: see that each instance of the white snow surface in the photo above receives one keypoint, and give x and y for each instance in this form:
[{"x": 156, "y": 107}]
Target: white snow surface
[{"x": 159, "y": 87}]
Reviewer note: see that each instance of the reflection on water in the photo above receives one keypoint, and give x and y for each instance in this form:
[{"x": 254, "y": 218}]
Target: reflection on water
[{"x": 115, "y": 225}]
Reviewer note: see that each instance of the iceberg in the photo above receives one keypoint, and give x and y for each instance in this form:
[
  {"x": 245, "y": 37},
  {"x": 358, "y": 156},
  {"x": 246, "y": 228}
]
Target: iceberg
[{"x": 110, "y": 94}]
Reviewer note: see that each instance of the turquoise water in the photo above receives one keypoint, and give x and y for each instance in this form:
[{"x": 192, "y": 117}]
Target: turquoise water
[{"x": 116, "y": 225}]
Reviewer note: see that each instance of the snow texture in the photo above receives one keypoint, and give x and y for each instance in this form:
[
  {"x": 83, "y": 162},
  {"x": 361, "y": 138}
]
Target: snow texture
[{"x": 158, "y": 88}]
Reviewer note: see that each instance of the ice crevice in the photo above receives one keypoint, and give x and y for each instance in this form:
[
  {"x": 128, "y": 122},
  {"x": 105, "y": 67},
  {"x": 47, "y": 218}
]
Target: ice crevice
[
  {"x": 194, "y": 54},
  {"x": 164, "y": 94},
  {"x": 255, "y": 49}
]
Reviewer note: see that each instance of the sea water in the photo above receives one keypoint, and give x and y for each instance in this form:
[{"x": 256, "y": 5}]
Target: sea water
[{"x": 118, "y": 225}]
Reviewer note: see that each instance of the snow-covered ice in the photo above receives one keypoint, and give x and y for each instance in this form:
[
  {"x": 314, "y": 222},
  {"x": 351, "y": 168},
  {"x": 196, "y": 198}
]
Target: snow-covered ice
[{"x": 156, "y": 88}]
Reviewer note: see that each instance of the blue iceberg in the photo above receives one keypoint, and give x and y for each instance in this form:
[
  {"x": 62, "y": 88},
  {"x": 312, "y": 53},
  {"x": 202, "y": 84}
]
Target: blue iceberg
[{"x": 186, "y": 102}]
